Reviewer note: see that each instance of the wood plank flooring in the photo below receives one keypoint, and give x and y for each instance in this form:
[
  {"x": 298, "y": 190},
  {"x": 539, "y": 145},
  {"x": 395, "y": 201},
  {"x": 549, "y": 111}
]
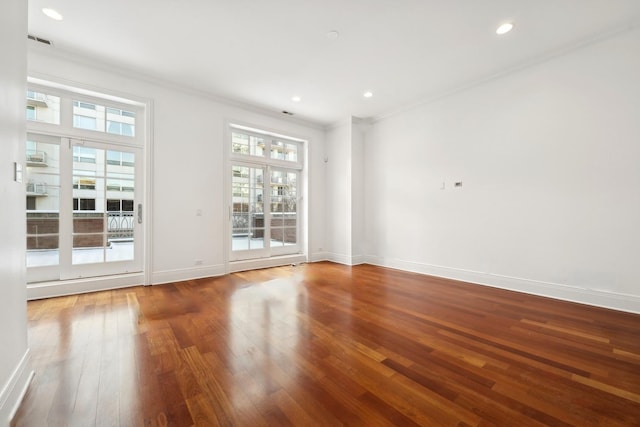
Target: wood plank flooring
[{"x": 326, "y": 344}]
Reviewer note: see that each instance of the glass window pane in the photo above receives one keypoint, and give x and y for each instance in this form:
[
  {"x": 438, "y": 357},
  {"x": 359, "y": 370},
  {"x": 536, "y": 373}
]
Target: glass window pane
[
  {"x": 277, "y": 150},
  {"x": 42, "y": 107},
  {"x": 99, "y": 118},
  {"x": 42, "y": 182},
  {"x": 251, "y": 145},
  {"x": 239, "y": 143},
  {"x": 88, "y": 116}
]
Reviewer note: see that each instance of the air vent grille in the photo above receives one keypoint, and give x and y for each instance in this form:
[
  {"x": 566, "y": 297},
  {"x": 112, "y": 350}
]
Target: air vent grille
[{"x": 40, "y": 40}]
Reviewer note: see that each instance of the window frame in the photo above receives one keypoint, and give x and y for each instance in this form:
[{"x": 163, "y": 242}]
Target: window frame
[
  {"x": 66, "y": 127},
  {"x": 268, "y": 164}
]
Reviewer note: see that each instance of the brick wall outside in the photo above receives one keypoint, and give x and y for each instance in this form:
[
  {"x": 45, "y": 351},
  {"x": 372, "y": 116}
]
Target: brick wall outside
[
  {"x": 43, "y": 229},
  {"x": 282, "y": 227}
]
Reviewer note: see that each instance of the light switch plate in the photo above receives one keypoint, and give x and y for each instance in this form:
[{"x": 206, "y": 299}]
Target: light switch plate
[{"x": 17, "y": 172}]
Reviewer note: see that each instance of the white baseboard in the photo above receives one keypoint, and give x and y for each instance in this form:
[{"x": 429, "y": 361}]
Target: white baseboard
[
  {"x": 79, "y": 286},
  {"x": 345, "y": 259},
  {"x": 179, "y": 275},
  {"x": 358, "y": 259},
  {"x": 611, "y": 300},
  {"x": 14, "y": 390},
  {"x": 319, "y": 256},
  {"x": 253, "y": 264}
]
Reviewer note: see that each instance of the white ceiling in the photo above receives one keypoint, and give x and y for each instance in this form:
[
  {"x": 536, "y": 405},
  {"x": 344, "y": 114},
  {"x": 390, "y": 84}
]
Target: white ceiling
[{"x": 262, "y": 52}]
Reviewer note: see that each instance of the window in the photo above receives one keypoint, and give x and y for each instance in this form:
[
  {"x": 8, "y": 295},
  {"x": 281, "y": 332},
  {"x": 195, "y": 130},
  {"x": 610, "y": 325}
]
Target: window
[
  {"x": 31, "y": 112},
  {"x": 88, "y": 116},
  {"x": 99, "y": 118},
  {"x": 113, "y": 205},
  {"x": 84, "y": 184},
  {"x": 116, "y": 205},
  {"x": 120, "y": 158},
  {"x": 243, "y": 143},
  {"x": 284, "y": 151},
  {"x": 42, "y": 107},
  {"x": 84, "y": 155},
  {"x": 82, "y": 160},
  {"x": 120, "y": 185},
  {"x": 265, "y": 171},
  {"x": 84, "y": 204}
]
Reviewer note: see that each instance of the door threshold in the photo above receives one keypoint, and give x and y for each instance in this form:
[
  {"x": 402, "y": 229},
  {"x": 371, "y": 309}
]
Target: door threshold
[{"x": 57, "y": 288}]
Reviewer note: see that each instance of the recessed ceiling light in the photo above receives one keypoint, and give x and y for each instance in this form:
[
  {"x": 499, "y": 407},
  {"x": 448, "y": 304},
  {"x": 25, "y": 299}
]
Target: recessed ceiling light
[
  {"x": 368, "y": 94},
  {"x": 332, "y": 35},
  {"x": 296, "y": 98},
  {"x": 504, "y": 28},
  {"x": 53, "y": 14}
]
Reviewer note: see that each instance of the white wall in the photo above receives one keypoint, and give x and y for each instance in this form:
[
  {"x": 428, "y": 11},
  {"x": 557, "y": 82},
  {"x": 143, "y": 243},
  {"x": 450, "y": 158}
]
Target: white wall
[
  {"x": 188, "y": 163},
  {"x": 344, "y": 191},
  {"x": 14, "y": 353},
  {"x": 357, "y": 191},
  {"x": 338, "y": 192},
  {"x": 549, "y": 160}
]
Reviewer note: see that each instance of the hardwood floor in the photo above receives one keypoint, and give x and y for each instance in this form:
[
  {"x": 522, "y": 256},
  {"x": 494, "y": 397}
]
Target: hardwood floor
[{"x": 326, "y": 344}]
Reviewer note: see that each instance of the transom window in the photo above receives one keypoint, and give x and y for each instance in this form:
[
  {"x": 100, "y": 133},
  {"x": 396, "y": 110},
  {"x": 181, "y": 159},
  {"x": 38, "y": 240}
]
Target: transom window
[{"x": 252, "y": 144}]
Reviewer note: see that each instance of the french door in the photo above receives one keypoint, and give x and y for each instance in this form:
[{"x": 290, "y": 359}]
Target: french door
[
  {"x": 264, "y": 211},
  {"x": 84, "y": 208}
]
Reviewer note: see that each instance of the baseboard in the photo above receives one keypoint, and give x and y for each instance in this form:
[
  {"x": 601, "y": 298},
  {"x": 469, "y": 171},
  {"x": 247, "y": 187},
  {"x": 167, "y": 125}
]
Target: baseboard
[
  {"x": 179, "y": 275},
  {"x": 319, "y": 256},
  {"x": 611, "y": 300},
  {"x": 14, "y": 390},
  {"x": 79, "y": 286},
  {"x": 344, "y": 259},
  {"x": 253, "y": 264}
]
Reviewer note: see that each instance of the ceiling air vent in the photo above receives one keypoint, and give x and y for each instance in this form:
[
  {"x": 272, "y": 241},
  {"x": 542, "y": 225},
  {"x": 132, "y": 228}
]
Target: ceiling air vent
[{"x": 39, "y": 40}]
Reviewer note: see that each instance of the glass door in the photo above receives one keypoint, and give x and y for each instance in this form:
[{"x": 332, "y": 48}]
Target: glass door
[
  {"x": 283, "y": 210},
  {"x": 249, "y": 230},
  {"x": 264, "y": 219},
  {"x": 84, "y": 209}
]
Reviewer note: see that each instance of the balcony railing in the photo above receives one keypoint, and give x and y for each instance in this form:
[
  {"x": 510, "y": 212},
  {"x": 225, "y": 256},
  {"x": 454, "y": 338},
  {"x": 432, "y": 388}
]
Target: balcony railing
[
  {"x": 37, "y": 189},
  {"x": 120, "y": 225},
  {"x": 36, "y": 158},
  {"x": 36, "y": 98}
]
